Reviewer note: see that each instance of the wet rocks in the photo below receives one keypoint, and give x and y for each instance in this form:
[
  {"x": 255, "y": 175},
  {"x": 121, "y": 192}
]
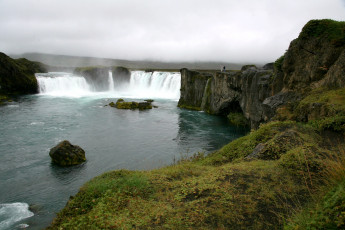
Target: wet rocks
[
  {"x": 121, "y": 104},
  {"x": 66, "y": 154}
]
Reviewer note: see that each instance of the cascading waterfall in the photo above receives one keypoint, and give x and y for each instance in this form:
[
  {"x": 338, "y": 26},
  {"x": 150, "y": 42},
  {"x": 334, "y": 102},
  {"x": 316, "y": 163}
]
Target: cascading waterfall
[
  {"x": 155, "y": 85},
  {"x": 62, "y": 85},
  {"x": 111, "y": 81},
  {"x": 165, "y": 85}
]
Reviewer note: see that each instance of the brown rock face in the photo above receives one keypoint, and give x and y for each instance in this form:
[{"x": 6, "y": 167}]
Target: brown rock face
[
  {"x": 66, "y": 154},
  {"x": 317, "y": 57}
]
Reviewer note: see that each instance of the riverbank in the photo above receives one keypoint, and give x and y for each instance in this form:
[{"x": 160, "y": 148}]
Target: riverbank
[
  {"x": 235, "y": 187},
  {"x": 287, "y": 173}
]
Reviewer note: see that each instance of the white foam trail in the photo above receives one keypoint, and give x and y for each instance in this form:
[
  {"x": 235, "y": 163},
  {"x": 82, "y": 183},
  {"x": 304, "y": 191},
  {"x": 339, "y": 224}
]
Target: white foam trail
[
  {"x": 111, "y": 82},
  {"x": 12, "y": 213}
]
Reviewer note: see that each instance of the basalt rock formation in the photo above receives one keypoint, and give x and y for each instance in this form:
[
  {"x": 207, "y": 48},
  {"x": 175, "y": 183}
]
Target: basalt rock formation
[
  {"x": 315, "y": 59},
  {"x": 121, "y": 75},
  {"x": 17, "y": 76},
  {"x": 224, "y": 92},
  {"x": 98, "y": 76}
]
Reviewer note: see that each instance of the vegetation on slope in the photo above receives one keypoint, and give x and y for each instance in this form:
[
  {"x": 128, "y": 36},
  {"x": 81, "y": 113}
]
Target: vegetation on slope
[
  {"x": 287, "y": 174},
  {"x": 17, "y": 76},
  {"x": 224, "y": 190}
]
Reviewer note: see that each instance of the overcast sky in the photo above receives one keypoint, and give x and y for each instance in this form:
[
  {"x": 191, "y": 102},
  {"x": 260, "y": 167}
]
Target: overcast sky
[{"x": 165, "y": 30}]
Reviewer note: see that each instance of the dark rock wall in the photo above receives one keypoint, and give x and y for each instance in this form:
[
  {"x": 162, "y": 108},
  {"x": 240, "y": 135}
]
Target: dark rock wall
[
  {"x": 242, "y": 91},
  {"x": 193, "y": 85},
  {"x": 121, "y": 76},
  {"x": 98, "y": 76},
  {"x": 315, "y": 59},
  {"x": 17, "y": 76}
]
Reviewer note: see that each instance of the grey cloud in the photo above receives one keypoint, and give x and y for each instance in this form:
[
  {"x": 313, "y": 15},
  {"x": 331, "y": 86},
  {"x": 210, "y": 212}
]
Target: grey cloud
[{"x": 180, "y": 30}]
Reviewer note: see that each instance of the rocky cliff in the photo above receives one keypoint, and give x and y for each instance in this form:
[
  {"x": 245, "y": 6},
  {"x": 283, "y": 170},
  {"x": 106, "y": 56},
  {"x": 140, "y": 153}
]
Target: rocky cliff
[
  {"x": 17, "y": 76},
  {"x": 315, "y": 59},
  {"x": 224, "y": 92},
  {"x": 98, "y": 76}
]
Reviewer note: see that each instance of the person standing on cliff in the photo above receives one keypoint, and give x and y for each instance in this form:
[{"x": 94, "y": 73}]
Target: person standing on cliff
[{"x": 223, "y": 69}]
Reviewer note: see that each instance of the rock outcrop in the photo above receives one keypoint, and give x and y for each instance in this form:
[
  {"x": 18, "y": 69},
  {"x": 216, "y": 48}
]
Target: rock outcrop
[
  {"x": 17, "y": 76},
  {"x": 193, "y": 85},
  {"x": 121, "y": 104},
  {"x": 121, "y": 75},
  {"x": 315, "y": 59},
  {"x": 224, "y": 92},
  {"x": 98, "y": 76},
  {"x": 66, "y": 154}
]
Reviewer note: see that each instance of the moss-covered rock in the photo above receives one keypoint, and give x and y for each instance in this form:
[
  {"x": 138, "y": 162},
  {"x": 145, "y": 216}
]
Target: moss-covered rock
[
  {"x": 316, "y": 57},
  {"x": 17, "y": 76},
  {"x": 66, "y": 154},
  {"x": 121, "y": 104},
  {"x": 238, "y": 119}
]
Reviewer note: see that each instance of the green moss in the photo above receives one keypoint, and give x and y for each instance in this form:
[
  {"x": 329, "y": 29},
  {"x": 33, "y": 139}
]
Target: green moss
[
  {"x": 194, "y": 194},
  {"x": 327, "y": 213},
  {"x": 323, "y": 109},
  {"x": 242, "y": 147},
  {"x": 182, "y": 106},
  {"x": 17, "y": 76},
  {"x": 3, "y": 99},
  {"x": 279, "y": 63},
  {"x": 334, "y": 31},
  {"x": 238, "y": 119},
  {"x": 121, "y": 104}
]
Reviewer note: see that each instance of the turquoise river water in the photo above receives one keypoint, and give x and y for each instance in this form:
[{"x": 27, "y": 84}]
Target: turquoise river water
[{"x": 112, "y": 139}]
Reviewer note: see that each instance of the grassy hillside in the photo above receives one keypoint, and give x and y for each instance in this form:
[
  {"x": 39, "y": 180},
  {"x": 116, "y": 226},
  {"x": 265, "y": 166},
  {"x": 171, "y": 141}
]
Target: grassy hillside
[
  {"x": 287, "y": 174},
  {"x": 226, "y": 190}
]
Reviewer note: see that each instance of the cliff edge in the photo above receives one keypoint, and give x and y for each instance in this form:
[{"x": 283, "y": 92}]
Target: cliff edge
[
  {"x": 17, "y": 76},
  {"x": 316, "y": 59}
]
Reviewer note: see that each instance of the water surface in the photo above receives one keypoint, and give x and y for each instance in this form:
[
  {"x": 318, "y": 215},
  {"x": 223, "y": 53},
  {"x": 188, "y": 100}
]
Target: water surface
[{"x": 112, "y": 139}]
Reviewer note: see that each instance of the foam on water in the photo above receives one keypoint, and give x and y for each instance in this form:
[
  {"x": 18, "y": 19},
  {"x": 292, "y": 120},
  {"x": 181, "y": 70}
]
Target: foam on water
[{"x": 11, "y": 213}]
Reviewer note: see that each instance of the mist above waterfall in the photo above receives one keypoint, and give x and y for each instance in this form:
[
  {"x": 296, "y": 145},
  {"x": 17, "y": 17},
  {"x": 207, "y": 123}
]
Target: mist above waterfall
[{"x": 142, "y": 85}]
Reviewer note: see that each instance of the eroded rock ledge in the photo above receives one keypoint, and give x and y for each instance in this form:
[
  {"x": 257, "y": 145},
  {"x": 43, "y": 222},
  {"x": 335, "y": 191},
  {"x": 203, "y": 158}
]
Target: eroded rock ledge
[{"x": 315, "y": 59}]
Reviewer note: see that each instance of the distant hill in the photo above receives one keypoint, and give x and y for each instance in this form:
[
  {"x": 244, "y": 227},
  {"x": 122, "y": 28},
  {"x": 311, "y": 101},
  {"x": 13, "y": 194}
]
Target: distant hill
[{"x": 69, "y": 62}]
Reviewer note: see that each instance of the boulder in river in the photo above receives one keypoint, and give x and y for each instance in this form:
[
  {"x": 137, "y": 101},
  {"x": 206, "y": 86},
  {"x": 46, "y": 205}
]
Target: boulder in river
[
  {"x": 66, "y": 154},
  {"x": 121, "y": 104}
]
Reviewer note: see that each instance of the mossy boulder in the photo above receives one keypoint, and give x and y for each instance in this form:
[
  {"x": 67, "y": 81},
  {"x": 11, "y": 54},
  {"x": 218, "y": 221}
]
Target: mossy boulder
[
  {"x": 66, "y": 154},
  {"x": 17, "y": 76},
  {"x": 121, "y": 104}
]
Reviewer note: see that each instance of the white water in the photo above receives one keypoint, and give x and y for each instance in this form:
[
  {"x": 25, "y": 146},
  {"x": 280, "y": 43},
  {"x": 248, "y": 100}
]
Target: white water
[
  {"x": 111, "y": 82},
  {"x": 165, "y": 85},
  {"x": 12, "y": 213},
  {"x": 63, "y": 85}
]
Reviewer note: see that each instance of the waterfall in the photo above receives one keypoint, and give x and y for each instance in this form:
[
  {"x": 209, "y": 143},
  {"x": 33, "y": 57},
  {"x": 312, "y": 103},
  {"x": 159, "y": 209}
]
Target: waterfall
[
  {"x": 155, "y": 85},
  {"x": 142, "y": 85},
  {"x": 62, "y": 85},
  {"x": 111, "y": 81}
]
